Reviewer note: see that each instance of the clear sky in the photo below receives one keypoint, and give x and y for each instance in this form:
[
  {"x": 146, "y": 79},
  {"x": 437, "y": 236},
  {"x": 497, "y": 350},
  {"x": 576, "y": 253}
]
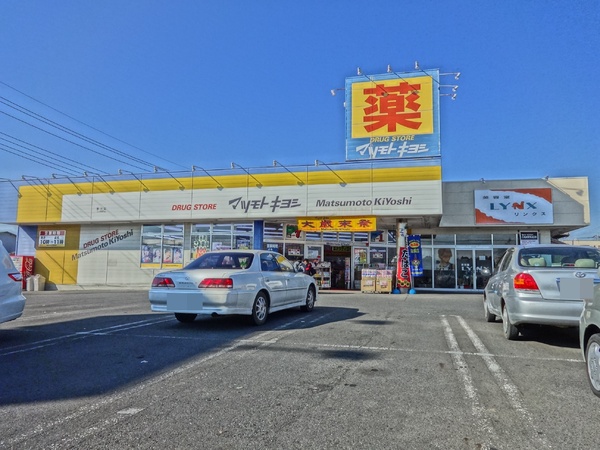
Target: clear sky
[{"x": 181, "y": 83}]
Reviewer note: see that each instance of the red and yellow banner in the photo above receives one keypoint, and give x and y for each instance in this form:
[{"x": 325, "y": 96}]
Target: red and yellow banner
[{"x": 337, "y": 224}]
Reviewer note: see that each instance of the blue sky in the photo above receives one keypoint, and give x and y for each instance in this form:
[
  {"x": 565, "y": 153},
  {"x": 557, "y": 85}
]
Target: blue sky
[{"x": 182, "y": 83}]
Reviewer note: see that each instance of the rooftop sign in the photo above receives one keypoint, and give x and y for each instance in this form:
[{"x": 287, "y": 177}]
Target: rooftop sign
[{"x": 392, "y": 116}]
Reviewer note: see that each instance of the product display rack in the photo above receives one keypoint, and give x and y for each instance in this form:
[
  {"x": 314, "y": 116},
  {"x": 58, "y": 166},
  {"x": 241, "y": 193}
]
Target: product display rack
[{"x": 323, "y": 275}]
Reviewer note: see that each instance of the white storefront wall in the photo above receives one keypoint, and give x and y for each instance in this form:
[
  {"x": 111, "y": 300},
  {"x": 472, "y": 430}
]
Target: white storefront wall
[
  {"x": 384, "y": 199},
  {"x": 117, "y": 262},
  {"x": 113, "y": 261}
]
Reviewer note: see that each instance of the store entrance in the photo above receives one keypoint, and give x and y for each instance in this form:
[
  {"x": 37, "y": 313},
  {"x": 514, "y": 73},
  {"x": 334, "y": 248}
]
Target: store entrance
[
  {"x": 474, "y": 268},
  {"x": 339, "y": 258}
]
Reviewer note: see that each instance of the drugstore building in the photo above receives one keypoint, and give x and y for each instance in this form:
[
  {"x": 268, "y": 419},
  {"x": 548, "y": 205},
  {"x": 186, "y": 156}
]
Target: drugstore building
[{"x": 385, "y": 206}]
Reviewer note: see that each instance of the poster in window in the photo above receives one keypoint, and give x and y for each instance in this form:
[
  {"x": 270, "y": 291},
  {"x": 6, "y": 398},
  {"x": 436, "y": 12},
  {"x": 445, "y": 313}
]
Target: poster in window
[
  {"x": 243, "y": 243},
  {"x": 200, "y": 245},
  {"x": 150, "y": 255}
]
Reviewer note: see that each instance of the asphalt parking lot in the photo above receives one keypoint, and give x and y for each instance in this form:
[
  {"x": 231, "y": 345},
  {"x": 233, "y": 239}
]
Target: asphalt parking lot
[{"x": 97, "y": 369}]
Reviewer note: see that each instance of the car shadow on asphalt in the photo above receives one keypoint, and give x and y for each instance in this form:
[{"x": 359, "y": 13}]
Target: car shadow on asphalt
[
  {"x": 95, "y": 356},
  {"x": 567, "y": 337}
]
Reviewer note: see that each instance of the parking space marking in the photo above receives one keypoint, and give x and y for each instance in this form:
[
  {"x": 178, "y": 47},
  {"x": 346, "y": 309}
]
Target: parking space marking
[
  {"x": 274, "y": 336},
  {"x": 106, "y": 401},
  {"x": 503, "y": 380},
  {"x": 23, "y": 348},
  {"x": 477, "y": 410}
]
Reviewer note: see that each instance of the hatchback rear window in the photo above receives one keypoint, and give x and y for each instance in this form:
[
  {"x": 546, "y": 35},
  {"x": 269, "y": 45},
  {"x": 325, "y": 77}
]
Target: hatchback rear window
[{"x": 566, "y": 256}]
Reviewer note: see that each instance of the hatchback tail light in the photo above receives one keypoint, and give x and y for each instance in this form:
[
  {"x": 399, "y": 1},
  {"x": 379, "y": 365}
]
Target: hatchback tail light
[
  {"x": 162, "y": 282},
  {"x": 525, "y": 282},
  {"x": 16, "y": 276},
  {"x": 226, "y": 283}
]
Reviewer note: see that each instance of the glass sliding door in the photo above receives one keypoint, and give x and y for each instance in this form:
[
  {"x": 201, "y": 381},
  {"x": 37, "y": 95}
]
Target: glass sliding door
[
  {"x": 483, "y": 268},
  {"x": 473, "y": 268}
]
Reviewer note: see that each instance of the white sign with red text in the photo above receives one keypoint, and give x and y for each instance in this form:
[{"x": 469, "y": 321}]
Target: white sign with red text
[{"x": 383, "y": 199}]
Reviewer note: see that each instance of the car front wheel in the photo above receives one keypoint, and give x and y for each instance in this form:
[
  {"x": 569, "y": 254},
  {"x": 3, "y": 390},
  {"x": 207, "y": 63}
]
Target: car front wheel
[
  {"x": 310, "y": 300},
  {"x": 510, "y": 331},
  {"x": 592, "y": 360},
  {"x": 260, "y": 309},
  {"x": 185, "y": 317},
  {"x": 489, "y": 317}
]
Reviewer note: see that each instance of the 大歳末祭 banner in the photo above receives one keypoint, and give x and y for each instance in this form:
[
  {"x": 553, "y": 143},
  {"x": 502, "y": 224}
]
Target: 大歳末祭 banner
[
  {"x": 337, "y": 224},
  {"x": 392, "y": 116}
]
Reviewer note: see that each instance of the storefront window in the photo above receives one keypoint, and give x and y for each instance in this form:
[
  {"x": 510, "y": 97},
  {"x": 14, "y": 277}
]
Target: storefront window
[
  {"x": 151, "y": 246},
  {"x": 345, "y": 236},
  {"x": 162, "y": 246},
  {"x": 206, "y": 237},
  {"x": 443, "y": 239},
  {"x": 314, "y": 252},
  {"x": 172, "y": 246},
  {"x": 392, "y": 260},
  {"x": 465, "y": 269},
  {"x": 243, "y": 242},
  {"x": 426, "y": 239},
  {"x": 294, "y": 252},
  {"x": 361, "y": 236},
  {"x": 424, "y": 281},
  {"x": 313, "y": 236},
  {"x": 200, "y": 240},
  {"x": 330, "y": 236},
  {"x": 273, "y": 247},
  {"x": 378, "y": 237},
  {"x": 220, "y": 242},
  {"x": 272, "y": 230},
  {"x": 391, "y": 234},
  {"x": 292, "y": 232},
  {"x": 221, "y": 228},
  {"x": 445, "y": 269},
  {"x": 243, "y": 236},
  {"x": 200, "y": 228},
  {"x": 243, "y": 228},
  {"x": 498, "y": 254},
  {"x": 505, "y": 239},
  {"x": 378, "y": 257},
  {"x": 473, "y": 239}
]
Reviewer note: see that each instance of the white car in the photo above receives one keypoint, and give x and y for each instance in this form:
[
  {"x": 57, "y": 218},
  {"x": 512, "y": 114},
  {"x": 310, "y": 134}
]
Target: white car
[
  {"x": 12, "y": 301},
  {"x": 248, "y": 282},
  {"x": 589, "y": 336}
]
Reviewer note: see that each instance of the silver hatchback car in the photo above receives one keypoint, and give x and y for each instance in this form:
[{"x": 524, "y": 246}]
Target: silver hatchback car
[
  {"x": 540, "y": 284},
  {"x": 589, "y": 336}
]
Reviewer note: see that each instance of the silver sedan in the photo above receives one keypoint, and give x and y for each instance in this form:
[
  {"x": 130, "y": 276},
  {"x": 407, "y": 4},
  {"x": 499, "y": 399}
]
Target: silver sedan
[
  {"x": 12, "y": 301},
  {"x": 248, "y": 282},
  {"x": 540, "y": 284}
]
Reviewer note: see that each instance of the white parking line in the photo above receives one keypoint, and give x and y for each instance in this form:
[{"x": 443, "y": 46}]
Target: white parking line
[
  {"x": 271, "y": 337},
  {"x": 509, "y": 388},
  {"x": 23, "y": 348},
  {"x": 108, "y": 400},
  {"x": 478, "y": 411},
  {"x": 112, "y": 420}
]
